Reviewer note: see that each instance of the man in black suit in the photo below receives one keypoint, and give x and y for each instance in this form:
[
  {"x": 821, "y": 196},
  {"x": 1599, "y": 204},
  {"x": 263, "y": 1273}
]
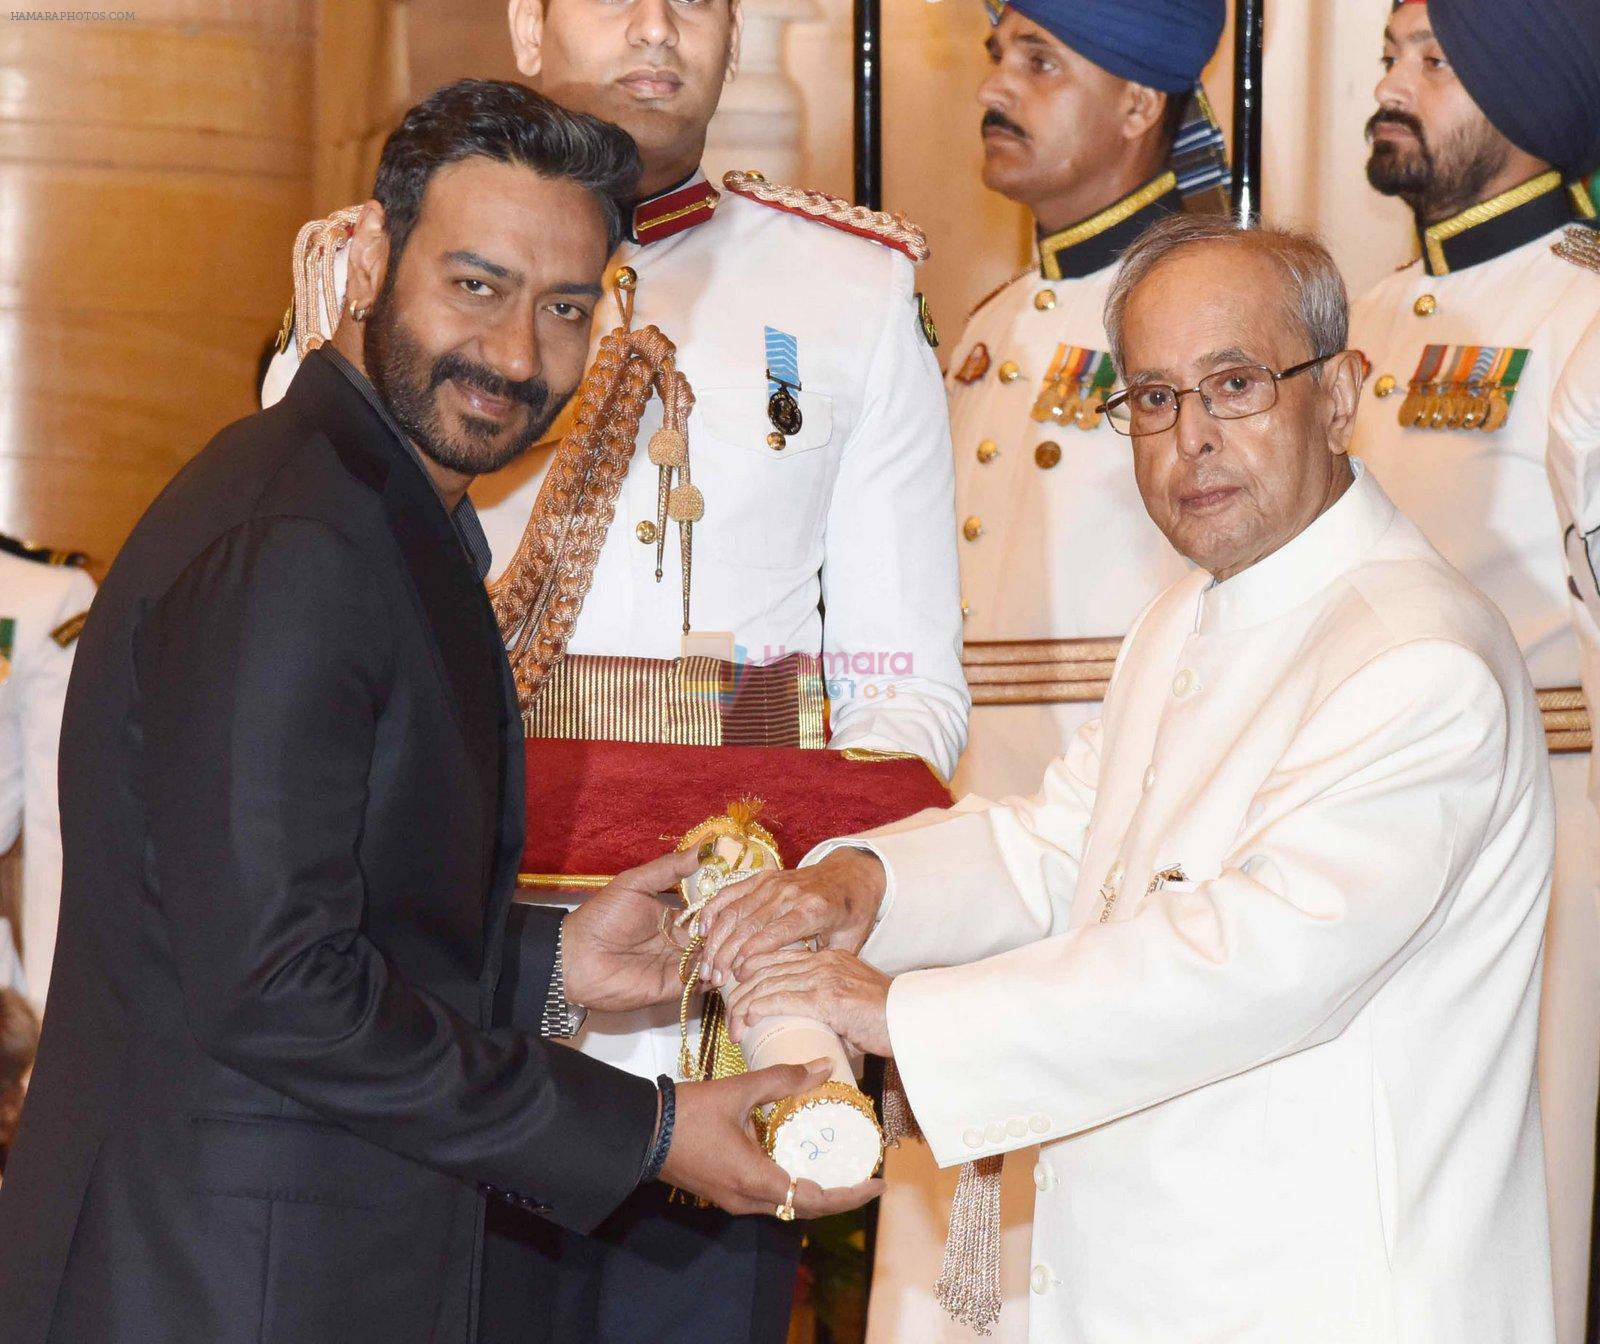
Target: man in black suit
[{"x": 293, "y": 1035}]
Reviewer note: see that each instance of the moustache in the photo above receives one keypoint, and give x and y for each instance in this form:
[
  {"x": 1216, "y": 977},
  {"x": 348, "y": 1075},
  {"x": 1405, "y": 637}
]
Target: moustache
[
  {"x": 1000, "y": 121},
  {"x": 1392, "y": 117},
  {"x": 533, "y": 393}
]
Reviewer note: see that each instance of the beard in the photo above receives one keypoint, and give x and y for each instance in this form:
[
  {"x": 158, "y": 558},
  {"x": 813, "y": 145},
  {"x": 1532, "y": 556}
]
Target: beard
[
  {"x": 408, "y": 378},
  {"x": 1435, "y": 183}
]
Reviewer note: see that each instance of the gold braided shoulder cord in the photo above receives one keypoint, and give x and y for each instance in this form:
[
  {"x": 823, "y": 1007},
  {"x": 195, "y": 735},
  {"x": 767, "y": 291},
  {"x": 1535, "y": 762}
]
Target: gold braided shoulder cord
[
  {"x": 894, "y": 229},
  {"x": 537, "y": 600},
  {"x": 316, "y": 296}
]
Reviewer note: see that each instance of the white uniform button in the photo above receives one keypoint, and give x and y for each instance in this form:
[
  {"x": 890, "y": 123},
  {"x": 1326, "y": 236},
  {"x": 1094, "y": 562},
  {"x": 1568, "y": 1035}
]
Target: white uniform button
[
  {"x": 1040, "y": 1280},
  {"x": 1039, "y": 1124},
  {"x": 1149, "y": 778},
  {"x": 1044, "y": 1178},
  {"x": 973, "y": 1137},
  {"x": 1184, "y": 683},
  {"x": 994, "y": 1131},
  {"x": 1016, "y": 1126}
]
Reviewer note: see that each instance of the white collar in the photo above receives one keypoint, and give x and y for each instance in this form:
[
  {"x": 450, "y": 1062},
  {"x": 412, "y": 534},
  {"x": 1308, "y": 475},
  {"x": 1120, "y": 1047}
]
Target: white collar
[{"x": 1336, "y": 542}]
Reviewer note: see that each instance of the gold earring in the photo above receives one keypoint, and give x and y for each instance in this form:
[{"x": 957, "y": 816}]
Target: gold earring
[{"x": 357, "y": 314}]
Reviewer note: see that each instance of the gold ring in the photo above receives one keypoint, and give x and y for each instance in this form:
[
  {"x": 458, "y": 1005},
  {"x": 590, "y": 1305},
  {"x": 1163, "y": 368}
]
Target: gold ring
[{"x": 785, "y": 1211}]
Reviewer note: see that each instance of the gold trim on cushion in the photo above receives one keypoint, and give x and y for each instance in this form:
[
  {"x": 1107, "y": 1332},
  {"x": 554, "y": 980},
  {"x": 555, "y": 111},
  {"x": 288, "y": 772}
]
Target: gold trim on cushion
[{"x": 564, "y": 881}]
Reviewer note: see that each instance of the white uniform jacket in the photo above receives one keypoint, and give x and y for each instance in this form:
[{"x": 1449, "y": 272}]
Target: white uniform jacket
[
  {"x": 1259, "y": 966},
  {"x": 842, "y": 541},
  {"x": 1056, "y": 543},
  {"x": 36, "y": 602}
]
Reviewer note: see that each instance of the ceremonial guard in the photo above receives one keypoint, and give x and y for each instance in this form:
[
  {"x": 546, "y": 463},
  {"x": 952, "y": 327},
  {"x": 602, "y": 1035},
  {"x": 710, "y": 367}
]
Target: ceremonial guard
[
  {"x": 1486, "y": 119},
  {"x": 44, "y": 597},
  {"x": 1094, "y": 120},
  {"x": 810, "y": 544}
]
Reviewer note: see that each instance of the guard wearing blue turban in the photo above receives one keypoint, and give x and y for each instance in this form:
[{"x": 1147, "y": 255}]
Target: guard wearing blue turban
[
  {"x": 1488, "y": 110},
  {"x": 1162, "y": 44}
]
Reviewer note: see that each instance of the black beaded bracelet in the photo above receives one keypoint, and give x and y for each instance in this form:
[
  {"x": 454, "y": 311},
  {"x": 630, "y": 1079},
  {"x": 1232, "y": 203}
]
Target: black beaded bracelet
[{"x": 669, "y": 1113}]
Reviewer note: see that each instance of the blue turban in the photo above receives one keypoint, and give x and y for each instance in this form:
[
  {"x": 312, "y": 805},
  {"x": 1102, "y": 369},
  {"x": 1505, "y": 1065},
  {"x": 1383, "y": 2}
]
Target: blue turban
[
  {"x": 1162, "y": 44},
  {"x": 1533, "y": 69}
]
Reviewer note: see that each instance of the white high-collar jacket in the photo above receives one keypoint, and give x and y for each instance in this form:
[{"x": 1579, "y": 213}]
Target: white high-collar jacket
[{"x": 1287, "y": 1091}]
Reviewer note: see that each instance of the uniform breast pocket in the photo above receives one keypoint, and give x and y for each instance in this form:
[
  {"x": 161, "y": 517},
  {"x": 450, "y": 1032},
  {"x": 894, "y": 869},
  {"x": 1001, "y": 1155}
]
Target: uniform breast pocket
[{"x": 766, "y": 493}]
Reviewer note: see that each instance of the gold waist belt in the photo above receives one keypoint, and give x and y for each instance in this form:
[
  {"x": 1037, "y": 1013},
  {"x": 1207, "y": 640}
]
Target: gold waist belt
[
  {"x": 687, "y": 702},
  {"x": 1039, "y": 671},
  {"x": 1077, "y": 671},
  {"x": 1566, "y": 720}
]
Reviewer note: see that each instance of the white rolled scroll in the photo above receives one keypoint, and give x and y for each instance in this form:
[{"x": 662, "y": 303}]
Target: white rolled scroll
[{"x": 830, "y": 1134}]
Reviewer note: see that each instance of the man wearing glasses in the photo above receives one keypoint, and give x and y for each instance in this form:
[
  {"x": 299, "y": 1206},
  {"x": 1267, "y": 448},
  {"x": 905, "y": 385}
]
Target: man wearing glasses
[{"x": 1258, "y": 965}]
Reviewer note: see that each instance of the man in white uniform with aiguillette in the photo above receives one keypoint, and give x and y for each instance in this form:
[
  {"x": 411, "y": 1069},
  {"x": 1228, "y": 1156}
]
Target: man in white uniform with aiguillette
[
  {"x": 1486, "y": 113},
  {"x": 1093, "y": 118},
  {"x": 819, "y": 443},
  {"x": 1258, "y": 967}
]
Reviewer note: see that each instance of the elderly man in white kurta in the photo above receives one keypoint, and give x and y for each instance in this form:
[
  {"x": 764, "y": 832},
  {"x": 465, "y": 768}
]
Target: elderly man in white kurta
[{"x": 1258, "y": 967}]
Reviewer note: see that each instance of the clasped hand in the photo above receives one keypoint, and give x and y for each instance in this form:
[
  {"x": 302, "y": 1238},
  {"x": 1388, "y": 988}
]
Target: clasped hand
[{"x": 759, "y": 939}]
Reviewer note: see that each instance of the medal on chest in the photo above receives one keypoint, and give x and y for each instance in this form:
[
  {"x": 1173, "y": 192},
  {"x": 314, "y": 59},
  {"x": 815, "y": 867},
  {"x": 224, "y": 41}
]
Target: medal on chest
[
  {"x": 1074, "y": 387},
  {"x": 1462, "y": 387},
  {"x": 783, "y": 381},
  {"x": 8, "y": 634},
  {"x": 975, "y": 365}
]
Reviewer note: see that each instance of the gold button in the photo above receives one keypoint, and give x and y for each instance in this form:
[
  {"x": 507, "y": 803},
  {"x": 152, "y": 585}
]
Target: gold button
[
  {"x": 1384, "y": 386},
  {"x": 972, "y": 529},
  {"x": 646, "y": 532},
  {"x": 1047, "y": 454},
  {"x": 1009, "y": 372},
  {"x": 1425, "y": 306},
  {"x": 1045, "y": 300},
  {"x": 754, "y": 175},
  {"x": 776, "y": 441},
  {"x": 988, "y": 450},
  {"x": 625, "y": 277}
]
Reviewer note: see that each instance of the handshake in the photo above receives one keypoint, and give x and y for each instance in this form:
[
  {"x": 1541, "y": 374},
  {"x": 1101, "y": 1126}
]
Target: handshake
[{"x": 786, "y": 942}]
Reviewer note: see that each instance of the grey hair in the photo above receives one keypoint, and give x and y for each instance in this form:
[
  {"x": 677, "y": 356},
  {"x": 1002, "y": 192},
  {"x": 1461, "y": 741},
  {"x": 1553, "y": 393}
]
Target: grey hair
[{"x": 1318, "y": 302}]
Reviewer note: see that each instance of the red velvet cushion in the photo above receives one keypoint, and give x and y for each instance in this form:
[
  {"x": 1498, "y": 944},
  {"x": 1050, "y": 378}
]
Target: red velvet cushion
[{"x": 600, "y": 807}]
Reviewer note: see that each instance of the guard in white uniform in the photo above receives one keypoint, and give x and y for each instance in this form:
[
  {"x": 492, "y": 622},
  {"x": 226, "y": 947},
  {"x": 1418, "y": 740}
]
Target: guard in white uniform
[
  {"x": 1465, "y": 345},
  {"x": 1057, "y": 552},
  {"x": 820, "y": 441},
  {"x": 44, "y": 597}
]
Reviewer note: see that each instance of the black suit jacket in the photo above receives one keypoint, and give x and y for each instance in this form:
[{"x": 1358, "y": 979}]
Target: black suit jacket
[{"x": 274, "y": 1078}]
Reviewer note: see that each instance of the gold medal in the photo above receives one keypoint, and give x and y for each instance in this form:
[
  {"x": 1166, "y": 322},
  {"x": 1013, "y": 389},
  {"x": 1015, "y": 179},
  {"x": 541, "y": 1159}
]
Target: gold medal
[{"x": 1499, "y": 408}]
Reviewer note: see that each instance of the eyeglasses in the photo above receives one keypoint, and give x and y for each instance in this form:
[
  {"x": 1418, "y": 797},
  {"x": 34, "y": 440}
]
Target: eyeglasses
[{"x": 1228, "y": 394}]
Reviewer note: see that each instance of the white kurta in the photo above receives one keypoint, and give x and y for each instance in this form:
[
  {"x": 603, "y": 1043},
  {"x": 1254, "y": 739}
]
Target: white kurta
[
  {"x": 1066, "y": 551},
  {"x": 853, "y": 518},
  {"x": 1484, "y": 501},
  {"x": 35, "y": 599},
  {"x": 1289, "y": 1093}
]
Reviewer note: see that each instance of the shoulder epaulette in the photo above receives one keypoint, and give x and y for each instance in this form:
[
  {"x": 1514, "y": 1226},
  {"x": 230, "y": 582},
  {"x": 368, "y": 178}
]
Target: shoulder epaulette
[
  {"x": 880, "y": 226},
  {"x": 27, "y": 550},
  {"x": 66, "y": 634},
  {"x": 1579, "y": 244},
  {"x": 315, "y": 312},
  {"x": 997, "y": 291}
]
